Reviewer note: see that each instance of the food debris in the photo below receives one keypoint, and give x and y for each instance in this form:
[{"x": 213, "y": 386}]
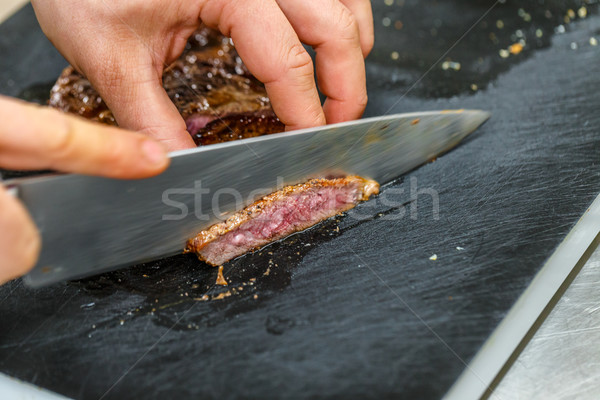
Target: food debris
[
  {"x": 446, "y": 65},
  {"x": 459, "y": 248},
  {"x": 504, "y": 53},
  {"x": 255, "y": 296},
  {"x": 524, "y": 14},
  {"x": 494, "y": 38},
  {"x": 415, "y": 121},
  {"x": 515, "y": 48},
  {"x": 395, "y": 55},
  {"x": 433, "y": 257},
  {"x": 203, "y": 298},
  {"x": 389, "y": 2},
  {"x": 220, "y": 278},
  {"x": 574, "y": 46},
  {"x": 500, "y": 24},
  {"x": 582, "y": 12},
  {"x": 539, "y": 33},
  {"x": 398, "y": 25},
  {"x": 386, "y": 21},
  {"x": 593, "y": 41},
  {"x": 474, "y": 87},
  {"x": 221, "y": 296}
]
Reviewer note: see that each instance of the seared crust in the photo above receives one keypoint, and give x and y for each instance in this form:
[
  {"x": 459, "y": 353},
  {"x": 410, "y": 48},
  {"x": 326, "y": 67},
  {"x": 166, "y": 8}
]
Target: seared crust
[
  {"x": 239, "y": 126},
  {"x": 210, "y": 86},
  {"x": 364, "y": 188},
  {"x": 74, "y": 94}
]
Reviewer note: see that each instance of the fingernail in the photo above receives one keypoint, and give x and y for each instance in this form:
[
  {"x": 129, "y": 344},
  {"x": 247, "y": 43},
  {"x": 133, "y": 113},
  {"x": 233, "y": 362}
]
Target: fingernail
[{"x": 154, "y": 152}]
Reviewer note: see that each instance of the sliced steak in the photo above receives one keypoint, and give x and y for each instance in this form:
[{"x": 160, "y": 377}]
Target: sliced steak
[
  {"x": 289, "y": 210},
  {"x": 210, "y": 86},
  {"x": 221, "y": 101}
]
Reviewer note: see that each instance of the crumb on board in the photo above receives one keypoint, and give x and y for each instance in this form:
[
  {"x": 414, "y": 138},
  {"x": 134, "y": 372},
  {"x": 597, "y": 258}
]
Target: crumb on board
[
  {"x": 220, "y": 278},
  {"x": 221, "y": 296},
  {"x": 515, "y": 48},
  {"x": 433, "y": 257},
  {"x": 454, "y": 65}
]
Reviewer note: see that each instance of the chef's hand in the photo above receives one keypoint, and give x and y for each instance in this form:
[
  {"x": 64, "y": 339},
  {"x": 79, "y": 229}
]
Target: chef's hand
[
  {"x": 123, "y": 46},
  {"x": 33, "y": 137}
]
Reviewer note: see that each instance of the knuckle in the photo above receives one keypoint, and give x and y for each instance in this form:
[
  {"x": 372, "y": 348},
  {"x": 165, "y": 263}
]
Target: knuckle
[
  {"x": 298, "y": 59},
  {"x": 318, "y": 117},
  {"x": 362, "y": 100},
  {"x": 62, "y": 143},
  {"x": 347, "y": 24},
  {"x": 368, "y": 43}
]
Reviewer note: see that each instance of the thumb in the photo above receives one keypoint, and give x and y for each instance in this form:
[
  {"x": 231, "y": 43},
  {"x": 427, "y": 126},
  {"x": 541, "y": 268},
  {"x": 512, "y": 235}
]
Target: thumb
[
  {"x": 138, "y": 101},
  {"x": 19, "y": 239}
]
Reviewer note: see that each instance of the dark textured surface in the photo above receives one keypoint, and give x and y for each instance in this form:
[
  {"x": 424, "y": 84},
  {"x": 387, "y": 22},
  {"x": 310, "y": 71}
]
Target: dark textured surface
[{"x": 347, "y": 309}]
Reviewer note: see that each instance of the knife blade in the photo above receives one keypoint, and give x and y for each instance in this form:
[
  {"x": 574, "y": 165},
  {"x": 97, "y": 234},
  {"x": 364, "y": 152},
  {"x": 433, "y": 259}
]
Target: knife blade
[{"x": 91, "y": 224}]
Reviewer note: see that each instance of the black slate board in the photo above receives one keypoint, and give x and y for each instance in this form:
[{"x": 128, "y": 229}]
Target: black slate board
[{"x": 352, "y": 308}]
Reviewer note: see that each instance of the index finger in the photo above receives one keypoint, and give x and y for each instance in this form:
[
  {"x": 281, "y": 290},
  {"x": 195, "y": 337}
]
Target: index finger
[
  {"x": 273, "y": 53},
  {"x": 333, "y": 31},
  {"x": 34, "y": 137}
]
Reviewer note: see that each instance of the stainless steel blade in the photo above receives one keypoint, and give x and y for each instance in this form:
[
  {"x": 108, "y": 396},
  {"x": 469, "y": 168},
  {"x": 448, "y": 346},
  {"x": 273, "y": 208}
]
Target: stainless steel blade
[{"x": 90, "y": 224}]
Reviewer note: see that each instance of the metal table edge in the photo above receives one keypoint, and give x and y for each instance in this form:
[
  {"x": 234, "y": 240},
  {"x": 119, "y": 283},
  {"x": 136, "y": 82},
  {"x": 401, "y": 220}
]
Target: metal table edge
[{"x": 512, "y": 334}]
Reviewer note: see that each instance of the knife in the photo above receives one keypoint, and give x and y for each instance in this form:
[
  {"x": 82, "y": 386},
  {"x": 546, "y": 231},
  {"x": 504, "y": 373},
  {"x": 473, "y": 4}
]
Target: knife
[{"x": 91, "y": 225}]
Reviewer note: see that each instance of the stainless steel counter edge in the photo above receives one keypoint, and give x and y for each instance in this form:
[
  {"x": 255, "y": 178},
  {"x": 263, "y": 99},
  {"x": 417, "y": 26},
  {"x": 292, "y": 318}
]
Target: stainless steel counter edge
[
  {"x": 504, "y": 341},
  {"x": 11, "y": 388}
]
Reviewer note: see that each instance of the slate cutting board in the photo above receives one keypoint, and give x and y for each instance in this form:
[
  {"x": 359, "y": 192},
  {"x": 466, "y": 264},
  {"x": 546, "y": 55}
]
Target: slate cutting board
[{"x": 353, "y": 308}]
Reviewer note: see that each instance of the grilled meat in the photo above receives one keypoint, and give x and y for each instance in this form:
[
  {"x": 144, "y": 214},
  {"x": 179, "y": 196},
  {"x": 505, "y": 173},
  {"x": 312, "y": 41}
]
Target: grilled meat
[
  {"x": 221, "y": 101},
  {"x": 289, "y": 210},
  {"x": 210, "y": 86}
]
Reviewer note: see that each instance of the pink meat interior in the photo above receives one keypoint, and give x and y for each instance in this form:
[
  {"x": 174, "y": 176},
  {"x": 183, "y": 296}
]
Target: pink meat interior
[
  {"x": 281, "y": 218},
  {"x": 197, "y": 121}
]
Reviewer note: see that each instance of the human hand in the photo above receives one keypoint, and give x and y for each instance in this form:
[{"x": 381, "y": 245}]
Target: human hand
[
  {"x": 123, "y": 48},
  {"x": 33, "y": 137}
]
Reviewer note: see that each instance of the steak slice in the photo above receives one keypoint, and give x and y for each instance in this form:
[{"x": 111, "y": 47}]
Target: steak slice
[
  {"x": 210, "y": 86},
  {"x": 275, "y": 216}
]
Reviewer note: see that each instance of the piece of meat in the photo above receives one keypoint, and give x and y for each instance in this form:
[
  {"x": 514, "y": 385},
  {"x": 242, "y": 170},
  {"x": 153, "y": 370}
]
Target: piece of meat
[
  {"x": 210, "y": 86},
  {"x": 273, "y": 217},
  {"x": 221, "y": 101}
]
